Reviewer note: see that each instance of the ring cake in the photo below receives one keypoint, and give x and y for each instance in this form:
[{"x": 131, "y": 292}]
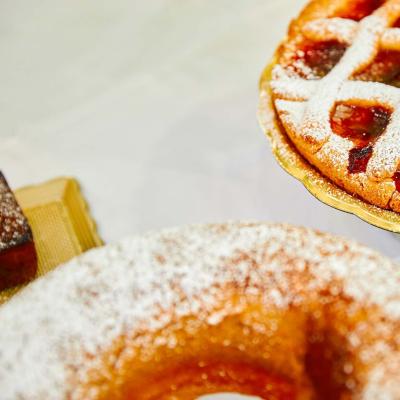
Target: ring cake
[
  {"x": 335, "y": 88},
  {"x": 269, "y": 310}
]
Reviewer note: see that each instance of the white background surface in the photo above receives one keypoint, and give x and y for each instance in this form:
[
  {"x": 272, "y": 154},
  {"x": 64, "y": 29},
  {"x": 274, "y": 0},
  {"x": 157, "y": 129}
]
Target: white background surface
[{"x": 152, "y": 106}]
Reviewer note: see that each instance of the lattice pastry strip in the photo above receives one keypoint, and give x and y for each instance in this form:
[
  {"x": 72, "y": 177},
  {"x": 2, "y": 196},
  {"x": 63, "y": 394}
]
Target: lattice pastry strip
[
  {"x": 345, "y": 30},
  {"x": 318, "y": 97}
]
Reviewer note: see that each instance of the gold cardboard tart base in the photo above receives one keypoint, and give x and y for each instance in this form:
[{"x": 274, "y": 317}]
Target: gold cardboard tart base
[
  {"x": 318, "y": 185},
  {"x": 61, "y": 224}
]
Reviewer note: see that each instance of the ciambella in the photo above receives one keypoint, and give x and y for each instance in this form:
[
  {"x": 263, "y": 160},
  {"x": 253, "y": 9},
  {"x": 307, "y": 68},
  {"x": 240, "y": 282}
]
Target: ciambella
[{"x": 276, "y": 311}]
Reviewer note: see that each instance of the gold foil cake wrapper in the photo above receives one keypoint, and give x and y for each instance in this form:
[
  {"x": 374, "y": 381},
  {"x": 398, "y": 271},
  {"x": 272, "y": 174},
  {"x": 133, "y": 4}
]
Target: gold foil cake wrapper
[
  {"x": 317, "y": 184},
  {"x": 60, "y": 221}
]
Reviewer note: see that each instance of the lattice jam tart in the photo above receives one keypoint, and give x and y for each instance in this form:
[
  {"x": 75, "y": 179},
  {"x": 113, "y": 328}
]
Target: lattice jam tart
[{"x": 335, "y": 88}]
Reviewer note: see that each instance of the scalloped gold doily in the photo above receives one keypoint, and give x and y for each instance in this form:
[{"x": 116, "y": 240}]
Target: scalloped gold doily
[
  {"x": 61, "y": 224},
  {"x": 318, "y": 185}
]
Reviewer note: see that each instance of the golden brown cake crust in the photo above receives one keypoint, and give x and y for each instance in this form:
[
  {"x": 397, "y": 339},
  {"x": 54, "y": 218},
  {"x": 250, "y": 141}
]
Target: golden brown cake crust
[
  {"x": 360, "y": 46},
  {"x": 271, "y": 310}
]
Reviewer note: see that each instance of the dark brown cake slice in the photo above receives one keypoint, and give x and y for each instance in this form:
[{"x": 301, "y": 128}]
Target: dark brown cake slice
[{"x": 18, "y": 260}]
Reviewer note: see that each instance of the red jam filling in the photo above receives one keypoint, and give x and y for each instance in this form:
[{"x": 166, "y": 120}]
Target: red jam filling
[
  {"x": 363, "y": 126},
  {"x": 321, "y": 57},
  {"x": 358, "y": 159},
  {"x": 384, "y": 69},
  {"x": 359, "y": 9},
  {"x": 396, "y": 180},
  {"x": 397, "y": 24}
]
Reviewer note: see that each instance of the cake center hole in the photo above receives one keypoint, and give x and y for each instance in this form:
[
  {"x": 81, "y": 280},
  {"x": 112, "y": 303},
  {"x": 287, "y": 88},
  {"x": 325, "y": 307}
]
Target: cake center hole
[{"x": 228, "y": 396}]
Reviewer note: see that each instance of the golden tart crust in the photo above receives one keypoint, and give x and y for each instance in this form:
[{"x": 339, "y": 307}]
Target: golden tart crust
[{"x": 337, "y": 55}]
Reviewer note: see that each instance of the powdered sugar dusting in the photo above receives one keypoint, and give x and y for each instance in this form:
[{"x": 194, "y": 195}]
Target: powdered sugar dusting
[
  {"x": 146, "y": 283},
  {"x": 343, "y": 30},
  {"x": 319, "y": 96},
  {"x": 13, "y": 225}
]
